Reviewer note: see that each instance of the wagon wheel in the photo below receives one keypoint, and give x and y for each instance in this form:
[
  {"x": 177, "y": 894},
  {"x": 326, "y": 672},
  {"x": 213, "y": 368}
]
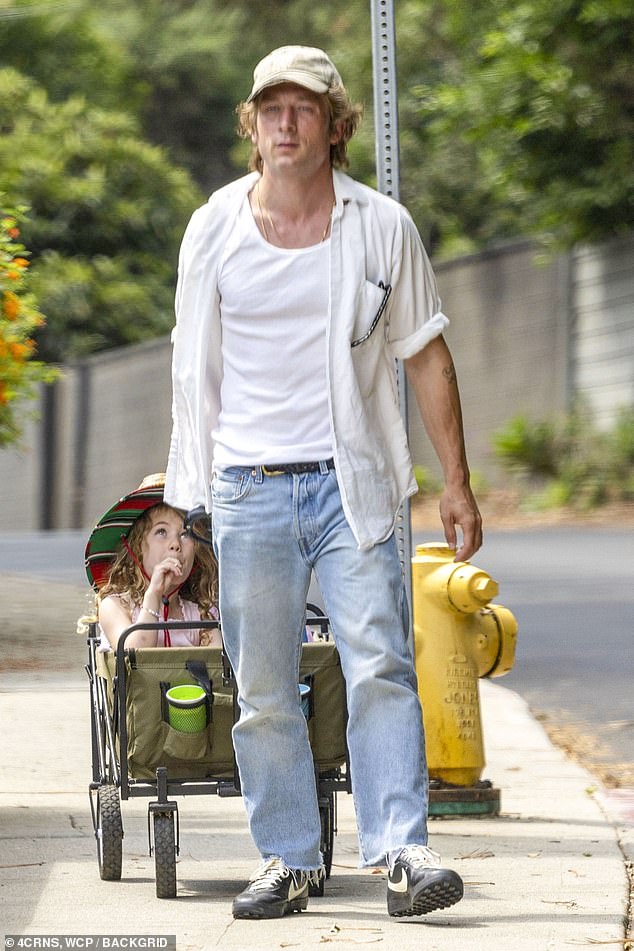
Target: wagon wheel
[
  {"x": 109, "y": 833},
  {"x": 165, "y": 854},
  {"x": 327, "y": 818}
]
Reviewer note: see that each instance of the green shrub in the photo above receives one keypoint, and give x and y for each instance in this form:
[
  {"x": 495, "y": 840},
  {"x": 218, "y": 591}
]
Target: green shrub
[
  {"x": 528, "y": 446},
  {"x": 622, "y": 453},
  {"x": 569, "y": 461}
]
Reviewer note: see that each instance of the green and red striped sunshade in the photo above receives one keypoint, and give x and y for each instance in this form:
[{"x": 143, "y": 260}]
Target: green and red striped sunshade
[{"x": 105, "y": 539}]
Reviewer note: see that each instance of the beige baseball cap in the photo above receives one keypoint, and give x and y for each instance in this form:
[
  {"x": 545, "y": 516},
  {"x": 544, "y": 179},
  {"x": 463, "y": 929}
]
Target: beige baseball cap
[{"x": 304, "y": 65}]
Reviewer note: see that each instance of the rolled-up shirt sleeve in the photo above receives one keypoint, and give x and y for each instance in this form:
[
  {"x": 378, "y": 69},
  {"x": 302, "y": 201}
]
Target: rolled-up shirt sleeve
[{"x": 415, "y": 313}]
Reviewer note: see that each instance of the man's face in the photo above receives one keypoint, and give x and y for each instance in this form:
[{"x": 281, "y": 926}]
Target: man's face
[{"x": 293, "y": 129}]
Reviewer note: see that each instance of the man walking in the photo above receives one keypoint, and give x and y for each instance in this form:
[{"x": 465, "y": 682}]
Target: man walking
[{"x": 298, "y": 289}]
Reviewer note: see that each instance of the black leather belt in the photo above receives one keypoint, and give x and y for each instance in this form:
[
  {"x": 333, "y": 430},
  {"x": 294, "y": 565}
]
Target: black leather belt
[{"x": 296, "y": 467}]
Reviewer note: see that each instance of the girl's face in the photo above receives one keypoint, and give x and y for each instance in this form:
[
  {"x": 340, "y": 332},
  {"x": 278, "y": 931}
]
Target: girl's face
[{"x": 166, "y": 538}]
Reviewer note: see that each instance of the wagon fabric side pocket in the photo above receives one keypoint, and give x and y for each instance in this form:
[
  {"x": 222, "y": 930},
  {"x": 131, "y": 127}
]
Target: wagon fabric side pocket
[
  {"x": 187, "y": 746},
  {"x": 152, "y": 741},
  {"x": 188, "y": 742}
]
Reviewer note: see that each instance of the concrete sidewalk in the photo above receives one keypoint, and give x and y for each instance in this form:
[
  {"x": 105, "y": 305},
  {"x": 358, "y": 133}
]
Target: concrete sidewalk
[{"x": 546, "y": 875}]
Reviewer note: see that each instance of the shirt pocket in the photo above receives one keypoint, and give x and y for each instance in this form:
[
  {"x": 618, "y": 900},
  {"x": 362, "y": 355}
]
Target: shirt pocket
[{"x": 368, "y": 339}]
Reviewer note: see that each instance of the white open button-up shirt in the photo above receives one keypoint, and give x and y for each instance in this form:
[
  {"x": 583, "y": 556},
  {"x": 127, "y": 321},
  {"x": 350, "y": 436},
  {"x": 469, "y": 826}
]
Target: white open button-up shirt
[{"x": 383, "y": 306}]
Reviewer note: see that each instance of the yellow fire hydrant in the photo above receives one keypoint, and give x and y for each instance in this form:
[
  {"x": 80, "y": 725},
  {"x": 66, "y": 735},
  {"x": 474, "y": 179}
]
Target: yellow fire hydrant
[{"x": 459, "y": 636}]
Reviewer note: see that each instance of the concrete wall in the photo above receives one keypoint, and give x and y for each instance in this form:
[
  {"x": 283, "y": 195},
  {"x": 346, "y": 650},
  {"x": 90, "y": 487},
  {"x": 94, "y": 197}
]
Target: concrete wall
[
  {"x": 101, "y": 428},
  {"x": 526, "y": 338},
  {"x": 509, "y": 339},
  {"x": 20, "y": 482},
  {"x": 603, "y": 329},
  {"x": 128, "y": 423}
]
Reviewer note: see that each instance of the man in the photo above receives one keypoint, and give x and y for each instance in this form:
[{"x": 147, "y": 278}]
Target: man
[{"x": 298, "y": 288}]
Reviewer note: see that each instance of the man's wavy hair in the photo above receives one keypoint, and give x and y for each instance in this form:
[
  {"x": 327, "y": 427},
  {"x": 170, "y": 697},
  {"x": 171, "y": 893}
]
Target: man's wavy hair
[{"x": 344, "y": 115}]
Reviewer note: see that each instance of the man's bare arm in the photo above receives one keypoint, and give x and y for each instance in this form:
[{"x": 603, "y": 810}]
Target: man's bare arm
[{"x": 432, "y": 376}]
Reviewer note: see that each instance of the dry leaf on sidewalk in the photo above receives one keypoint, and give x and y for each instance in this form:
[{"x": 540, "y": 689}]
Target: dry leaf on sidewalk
[
  {"x": 477, "y": 854},
  {"x": 336, "y": 934}
]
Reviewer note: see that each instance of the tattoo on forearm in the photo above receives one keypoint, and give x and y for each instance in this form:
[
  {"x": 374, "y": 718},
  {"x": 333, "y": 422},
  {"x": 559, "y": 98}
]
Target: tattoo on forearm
[{"x": 449, "y": 373}]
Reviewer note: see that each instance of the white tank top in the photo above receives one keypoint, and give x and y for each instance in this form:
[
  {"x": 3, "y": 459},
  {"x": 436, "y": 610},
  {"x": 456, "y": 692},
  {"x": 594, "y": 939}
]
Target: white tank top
[{"x": 274, "y": 392}]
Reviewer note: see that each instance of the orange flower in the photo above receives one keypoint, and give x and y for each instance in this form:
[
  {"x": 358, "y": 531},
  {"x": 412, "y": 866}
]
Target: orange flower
[
  {"x": 14, "y": 233},
  {"x": 21, "y": 262},
  {"x": 10, "y": 305},
  {"x": 20, "y": 351},
  {"x": 14, "y": 275},
  {"x": 3, "y": 394}
]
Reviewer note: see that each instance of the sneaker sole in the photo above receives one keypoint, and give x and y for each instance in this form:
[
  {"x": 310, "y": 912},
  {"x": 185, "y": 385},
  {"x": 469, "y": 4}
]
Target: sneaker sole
[
  {"x": 271, "y": 911},
  {"x": 431, "y": 897}
]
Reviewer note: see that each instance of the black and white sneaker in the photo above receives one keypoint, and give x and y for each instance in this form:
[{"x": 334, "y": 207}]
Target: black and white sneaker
[
  {"x": 417, "y": 884},
  {"x": 274, "y": 890}
]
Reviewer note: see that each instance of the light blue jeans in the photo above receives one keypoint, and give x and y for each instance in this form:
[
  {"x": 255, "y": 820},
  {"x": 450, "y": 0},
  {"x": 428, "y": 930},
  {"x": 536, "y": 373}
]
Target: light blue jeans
[{"x": 269, "y": 533}]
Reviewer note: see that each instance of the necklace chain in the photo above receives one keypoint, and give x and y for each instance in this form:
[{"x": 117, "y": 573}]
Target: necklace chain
[{"x": 265, "y": 214}]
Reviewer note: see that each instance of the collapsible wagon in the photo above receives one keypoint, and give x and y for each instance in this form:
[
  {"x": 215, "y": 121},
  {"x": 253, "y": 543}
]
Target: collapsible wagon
[{"x": 140, "y": 748}]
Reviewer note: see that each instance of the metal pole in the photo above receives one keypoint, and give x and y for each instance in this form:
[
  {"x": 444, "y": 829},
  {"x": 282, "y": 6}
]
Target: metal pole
[
  {"x": 385, "y": 97},
  {"x": 387, "y": 168}
]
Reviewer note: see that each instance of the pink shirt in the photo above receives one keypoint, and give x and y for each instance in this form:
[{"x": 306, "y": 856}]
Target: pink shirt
[{"x": 183, "y": 638}]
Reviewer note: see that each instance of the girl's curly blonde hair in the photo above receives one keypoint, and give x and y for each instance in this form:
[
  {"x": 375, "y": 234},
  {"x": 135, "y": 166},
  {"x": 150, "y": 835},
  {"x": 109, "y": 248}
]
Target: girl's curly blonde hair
[
  {"x": 126, "y": 578},
  {"x": 345, "y": 116}
]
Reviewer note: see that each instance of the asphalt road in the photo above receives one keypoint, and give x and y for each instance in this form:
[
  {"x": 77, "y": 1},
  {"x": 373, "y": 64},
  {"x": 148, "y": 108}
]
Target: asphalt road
[{"x": 571, "y": 590}]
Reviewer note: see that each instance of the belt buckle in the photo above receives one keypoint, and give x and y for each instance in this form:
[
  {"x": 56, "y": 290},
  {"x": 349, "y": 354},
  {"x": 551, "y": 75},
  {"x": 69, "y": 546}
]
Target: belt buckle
[{"x": 272, "y": 472}]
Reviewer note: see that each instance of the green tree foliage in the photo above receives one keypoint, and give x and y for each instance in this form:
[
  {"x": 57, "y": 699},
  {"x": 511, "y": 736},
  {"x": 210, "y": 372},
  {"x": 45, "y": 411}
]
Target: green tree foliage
[
  {"x": 59, "y": 44},
  {"x": 507, "y": 125},
  {"x": 540, "y": 105},
  {"x": 516, "y": 118},
  {"x": 107, "y": 215},
  {"x": 20, "y": 373}
]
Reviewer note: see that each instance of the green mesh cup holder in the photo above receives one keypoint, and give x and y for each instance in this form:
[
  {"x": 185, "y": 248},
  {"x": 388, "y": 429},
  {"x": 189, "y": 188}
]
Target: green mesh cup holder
[{"x": 187, "y": 710}]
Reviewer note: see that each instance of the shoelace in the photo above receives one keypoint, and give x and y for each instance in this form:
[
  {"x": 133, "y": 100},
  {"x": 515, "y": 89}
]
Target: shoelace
[
  {"x": 419, "y": 856},
  {"x": 274, "y": 870},
  {"x": 270, "y": 873}
]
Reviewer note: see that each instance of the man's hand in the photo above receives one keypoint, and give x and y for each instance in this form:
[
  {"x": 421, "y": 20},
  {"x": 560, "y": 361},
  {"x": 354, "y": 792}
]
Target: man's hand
[{"x": 458, "y": 508}]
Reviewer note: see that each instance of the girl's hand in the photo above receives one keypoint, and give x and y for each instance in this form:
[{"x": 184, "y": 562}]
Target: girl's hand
[{"x": 166, "y": 576}]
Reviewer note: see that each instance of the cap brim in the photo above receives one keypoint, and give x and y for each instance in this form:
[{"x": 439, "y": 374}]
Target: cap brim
[{"x": 298, "y": 76}]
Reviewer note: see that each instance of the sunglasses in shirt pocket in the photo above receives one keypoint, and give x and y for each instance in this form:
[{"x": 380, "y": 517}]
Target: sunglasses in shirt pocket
[{"x": 369, "y": 333}]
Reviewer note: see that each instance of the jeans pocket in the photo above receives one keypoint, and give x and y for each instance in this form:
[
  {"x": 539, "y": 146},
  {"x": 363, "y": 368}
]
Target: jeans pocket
[{"x": 230, "y": 485}]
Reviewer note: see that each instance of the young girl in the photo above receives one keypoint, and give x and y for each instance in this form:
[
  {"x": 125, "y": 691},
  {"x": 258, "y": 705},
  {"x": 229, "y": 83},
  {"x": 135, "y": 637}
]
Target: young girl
[{"x": 156, "y": 572}]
